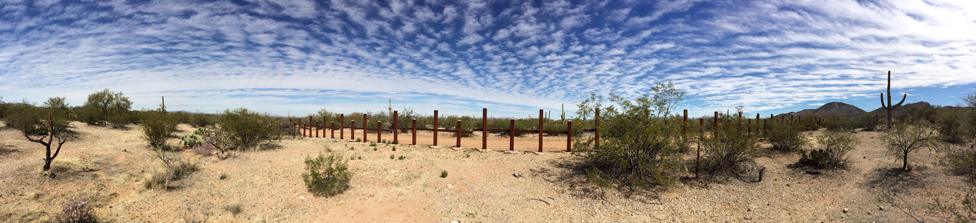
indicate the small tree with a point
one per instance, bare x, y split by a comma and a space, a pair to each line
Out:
326, 175
905, 139
46, 125
107, 106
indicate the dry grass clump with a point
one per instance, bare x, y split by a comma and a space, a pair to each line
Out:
76, 211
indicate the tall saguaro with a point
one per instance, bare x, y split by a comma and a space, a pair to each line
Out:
889, 108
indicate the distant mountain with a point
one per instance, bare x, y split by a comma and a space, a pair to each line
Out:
917, 108
829, 110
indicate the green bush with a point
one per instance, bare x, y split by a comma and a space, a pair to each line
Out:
903, 140
326, 175
728, 150
106, 107
785, 137
637, 148
951, 124
245, 129
831, 151
157, 126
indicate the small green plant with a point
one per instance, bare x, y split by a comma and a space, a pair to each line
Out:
394, 149
392, 156
831, 152
402, 157
77, 211
443, 173
192, 140
326, 175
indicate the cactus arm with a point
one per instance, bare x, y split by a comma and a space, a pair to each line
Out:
900, 102
882, 102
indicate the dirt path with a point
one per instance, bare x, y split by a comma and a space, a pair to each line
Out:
110, 166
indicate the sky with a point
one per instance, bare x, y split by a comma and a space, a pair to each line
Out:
295, 57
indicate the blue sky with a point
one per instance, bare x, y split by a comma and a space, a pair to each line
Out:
295, 57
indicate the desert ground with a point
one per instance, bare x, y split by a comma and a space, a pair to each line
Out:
109, 166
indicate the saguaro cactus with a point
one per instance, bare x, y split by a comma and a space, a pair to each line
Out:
889, 108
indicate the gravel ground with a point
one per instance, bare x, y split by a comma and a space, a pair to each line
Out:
109, 167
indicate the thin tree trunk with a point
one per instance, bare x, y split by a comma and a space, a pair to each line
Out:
904, 161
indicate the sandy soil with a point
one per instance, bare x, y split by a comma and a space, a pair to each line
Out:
109, 167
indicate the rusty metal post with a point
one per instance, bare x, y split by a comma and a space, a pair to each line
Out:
701, 136
511, 135
324, 127
366, 127
352, 130
457, 133
342, 125
569, 136
596, 128
379, 131
684, 123
540, 130
413, 131
435, 127
332, 131
311, 123
395, 128
715, 121
484, 128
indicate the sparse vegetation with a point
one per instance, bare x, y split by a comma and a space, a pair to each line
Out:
245, 129
831, 151
326, 176
443, 173
903, 140
961, 161
785, 137
950, 122
234, 209
176, 167
106, 108
48, 126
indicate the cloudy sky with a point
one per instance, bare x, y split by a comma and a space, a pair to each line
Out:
295, 57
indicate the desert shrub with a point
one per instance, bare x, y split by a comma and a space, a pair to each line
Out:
961, 161
637, 148
326, 175
245, 129
950, 123
176, 167
443, 173
76, 211
106, 107
785, 137
902, 140
831, 151
201, 120
728, 150
157, 126
48, 125
192, 140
